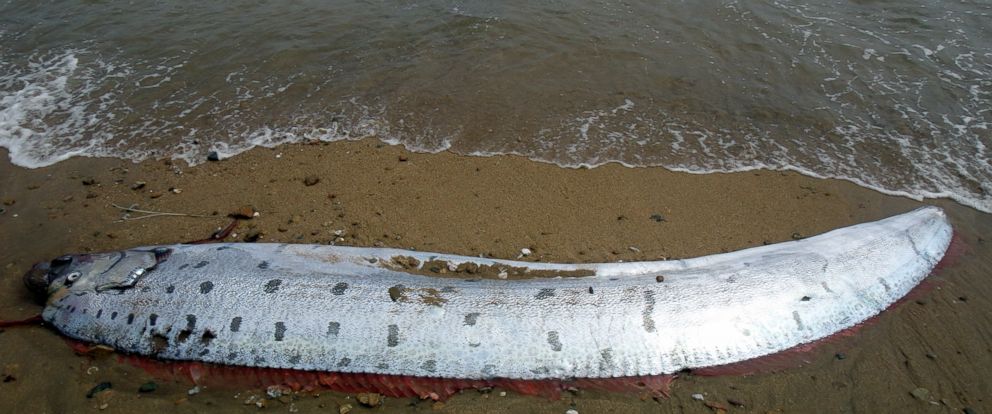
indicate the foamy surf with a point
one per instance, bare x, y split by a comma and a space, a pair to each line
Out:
899, 106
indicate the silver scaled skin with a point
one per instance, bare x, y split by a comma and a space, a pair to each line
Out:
343, 309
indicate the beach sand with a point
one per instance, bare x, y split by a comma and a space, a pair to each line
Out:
380, 195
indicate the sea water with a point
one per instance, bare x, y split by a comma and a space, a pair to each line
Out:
895, 96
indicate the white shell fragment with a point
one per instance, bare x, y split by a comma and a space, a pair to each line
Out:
344, 309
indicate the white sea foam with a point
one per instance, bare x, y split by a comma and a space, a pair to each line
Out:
919, 130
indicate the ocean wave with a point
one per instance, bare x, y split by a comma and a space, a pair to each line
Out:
901, 106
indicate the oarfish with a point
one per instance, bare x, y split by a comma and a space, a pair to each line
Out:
389, 312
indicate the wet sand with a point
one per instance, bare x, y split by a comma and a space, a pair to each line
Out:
379, 195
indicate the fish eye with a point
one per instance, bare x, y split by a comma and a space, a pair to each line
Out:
71, 277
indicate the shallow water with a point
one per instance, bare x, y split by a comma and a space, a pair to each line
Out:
890, 95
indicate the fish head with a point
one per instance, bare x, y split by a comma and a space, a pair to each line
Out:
93, 271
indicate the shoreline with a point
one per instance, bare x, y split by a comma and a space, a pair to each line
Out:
366, 193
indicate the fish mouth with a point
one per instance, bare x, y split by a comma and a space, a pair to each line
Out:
37, 280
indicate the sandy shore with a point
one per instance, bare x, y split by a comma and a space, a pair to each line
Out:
370, 194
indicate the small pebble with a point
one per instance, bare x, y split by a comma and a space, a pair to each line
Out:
311, 180
796, 236
921, 394
502, 393
148, 387
698, 397
101, 387
344, 409
634, 249
213, 156
658, 217
276, 391
253, 235
403, 158
369, 399
90, 181
659, 278
193, 391
525, 252
138, 185
244, 212
931, 356
968, 410
735, 402
840, 356
572, 411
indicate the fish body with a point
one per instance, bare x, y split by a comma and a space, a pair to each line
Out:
370, 310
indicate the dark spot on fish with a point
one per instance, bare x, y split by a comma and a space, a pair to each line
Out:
471, 280
541, 370
382, 365
605, 360
152, 319
273, 285
393, 339
545, 293
113, 315
280, 331
85, 311
99, 313
184, 335
554, 341
223, 248
263, 265
259, 360
884, 284
204, 351
184, 266
799, 321
130, 318
344, 362
207, 336
471, 318
170, 289
235, 324
396, 292
339, 288
232, 356
648, 311
488, 370
448, 289
201, 264
295, 359
146, 289
206, 287
159, 343
72, 309
429, 365
333, 328
805, 298
190, 322
474, 344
